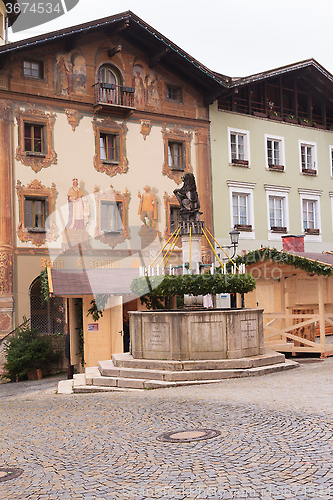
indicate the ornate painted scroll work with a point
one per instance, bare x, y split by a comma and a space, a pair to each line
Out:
47, 155
117, 132
184, 138
121, 232
6, 272
36, 191
72, 118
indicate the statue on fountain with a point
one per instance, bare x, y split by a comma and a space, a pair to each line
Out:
188, 199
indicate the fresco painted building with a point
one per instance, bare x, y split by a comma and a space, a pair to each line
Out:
272, 145
98, 123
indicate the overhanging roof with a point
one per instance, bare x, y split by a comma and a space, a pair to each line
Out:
159, 49
91, 282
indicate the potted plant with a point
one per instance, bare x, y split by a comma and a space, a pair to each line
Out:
290, 119
28, 354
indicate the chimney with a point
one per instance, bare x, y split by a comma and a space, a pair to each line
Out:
293, 243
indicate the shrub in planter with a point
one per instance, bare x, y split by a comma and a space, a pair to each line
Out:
28, 351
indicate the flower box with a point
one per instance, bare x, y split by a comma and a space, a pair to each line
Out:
311, 231
309, 171
260, 114
243, 227
318, 125
278, 229
277, 168
290, 120
276, 117
243, 163
305, 123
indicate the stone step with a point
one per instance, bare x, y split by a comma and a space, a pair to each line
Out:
126, 360
173, 379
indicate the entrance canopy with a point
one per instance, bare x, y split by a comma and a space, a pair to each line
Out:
91, 282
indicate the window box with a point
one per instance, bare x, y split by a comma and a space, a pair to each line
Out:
317, 125
305, 123
243, 163
279, 229
290, 120
243, 227
260, 114
311, 231
276, 117
278, 168
309, 171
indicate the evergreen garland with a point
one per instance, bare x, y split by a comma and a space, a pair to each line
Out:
192, 284
44, 285
280, 257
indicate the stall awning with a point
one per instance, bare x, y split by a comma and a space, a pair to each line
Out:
91, 282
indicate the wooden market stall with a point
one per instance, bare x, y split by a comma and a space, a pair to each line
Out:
296, 291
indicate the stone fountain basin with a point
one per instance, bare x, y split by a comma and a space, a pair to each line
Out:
197, 334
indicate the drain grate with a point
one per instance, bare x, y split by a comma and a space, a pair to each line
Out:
6, 474
188, 435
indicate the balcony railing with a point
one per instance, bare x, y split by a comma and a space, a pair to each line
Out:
110, 93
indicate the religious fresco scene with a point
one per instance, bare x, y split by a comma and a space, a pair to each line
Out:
69, 71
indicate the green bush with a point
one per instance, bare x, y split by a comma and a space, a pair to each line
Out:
27, 350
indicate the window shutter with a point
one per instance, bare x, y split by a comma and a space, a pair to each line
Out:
28, 213
117, 155
183, 165
46, 214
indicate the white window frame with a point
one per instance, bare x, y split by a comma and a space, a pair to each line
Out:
269, 137
331, 160
311, 195
331, 196
313, 145
246, 135
277, 192
243, 188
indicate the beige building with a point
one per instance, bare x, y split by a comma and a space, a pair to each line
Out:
98, 124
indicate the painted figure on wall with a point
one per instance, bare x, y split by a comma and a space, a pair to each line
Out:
153, 90
148, 208
78, 207
138, 83
64, 76
70, 73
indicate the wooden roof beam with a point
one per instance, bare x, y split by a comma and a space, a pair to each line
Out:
156, 58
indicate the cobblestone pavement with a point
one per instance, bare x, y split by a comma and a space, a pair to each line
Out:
275, 442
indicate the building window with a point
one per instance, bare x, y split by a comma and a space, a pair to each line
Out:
177, 149
308, 158
111, 216
274, 153
110, 147
36, 207
33, 69
174, 93
33, 138
277, 210
241, 207
175, 155
174, 218
171, 217
310, 213
35, 213
239, 147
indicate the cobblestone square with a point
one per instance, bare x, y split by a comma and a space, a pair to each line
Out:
275, 440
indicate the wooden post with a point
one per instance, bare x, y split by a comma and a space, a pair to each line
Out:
283, 300
321, 312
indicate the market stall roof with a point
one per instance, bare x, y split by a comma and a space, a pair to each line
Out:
91, 282
317, 263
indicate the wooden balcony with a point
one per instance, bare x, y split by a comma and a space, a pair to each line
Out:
114, 98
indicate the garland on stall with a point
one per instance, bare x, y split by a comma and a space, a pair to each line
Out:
192, 284
279, 257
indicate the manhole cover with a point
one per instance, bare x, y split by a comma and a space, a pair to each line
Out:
188, 435
7, 474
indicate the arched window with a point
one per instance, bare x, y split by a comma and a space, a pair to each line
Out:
46, 317
109, 84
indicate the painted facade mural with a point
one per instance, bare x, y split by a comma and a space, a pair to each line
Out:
148, 88
78, 207
70, 73
148, 208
